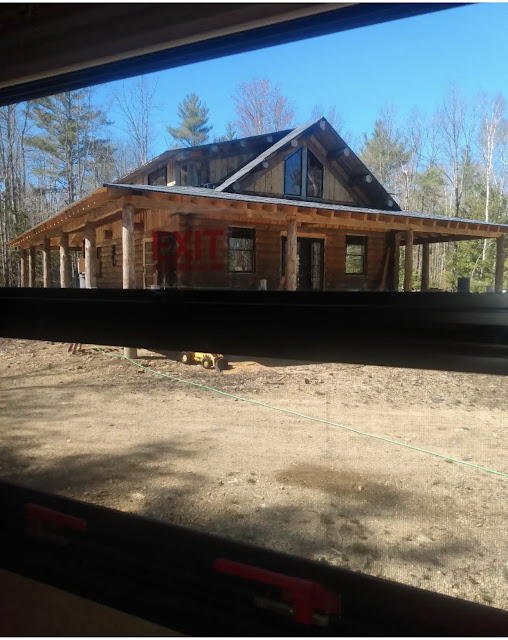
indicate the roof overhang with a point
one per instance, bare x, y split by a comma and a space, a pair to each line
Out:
106, 204
61, 47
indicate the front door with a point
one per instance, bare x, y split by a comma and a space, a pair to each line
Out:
310, 263
164, 258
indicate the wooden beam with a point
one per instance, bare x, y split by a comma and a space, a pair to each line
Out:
23, 269
425, 266
31, 266
343, 152
129, 258
263, 168
332, 165
46, 263
65, 267
396, 261
90, 256
94, 216
384, 277
500, 260
408, 262
291, 254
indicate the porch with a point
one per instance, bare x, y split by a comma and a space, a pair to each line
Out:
126, 217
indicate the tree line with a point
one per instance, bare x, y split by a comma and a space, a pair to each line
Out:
454, 161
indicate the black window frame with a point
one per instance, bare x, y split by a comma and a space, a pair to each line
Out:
309, 154
198, 167
304, 175
113, 255
356, 241
242, 231
162, 172
294, 195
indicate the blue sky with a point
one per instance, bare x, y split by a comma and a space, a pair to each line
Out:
409, 63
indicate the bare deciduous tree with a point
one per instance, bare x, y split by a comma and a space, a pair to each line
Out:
488, 139
261, 107
331, 114
135, 102
457, 129
13, 131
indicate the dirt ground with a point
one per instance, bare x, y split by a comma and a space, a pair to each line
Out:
100, 429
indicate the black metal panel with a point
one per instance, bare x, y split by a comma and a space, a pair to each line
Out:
449, 331
165, 573
359, 15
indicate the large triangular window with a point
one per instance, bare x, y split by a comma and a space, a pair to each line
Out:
314, 176
293, 174
308, 183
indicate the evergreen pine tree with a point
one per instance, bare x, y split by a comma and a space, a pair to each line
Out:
385, 152
193, 128
70, 144
230, 133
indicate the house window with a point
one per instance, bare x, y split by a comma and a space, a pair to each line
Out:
194, 173
98, 268
113, 255
241, 249
356, 255
158, 178
293, 174
314, 176
293, 178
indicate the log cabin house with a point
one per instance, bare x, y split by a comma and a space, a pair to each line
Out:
290, 210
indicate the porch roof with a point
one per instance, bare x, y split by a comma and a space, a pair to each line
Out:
311, 204
106, 204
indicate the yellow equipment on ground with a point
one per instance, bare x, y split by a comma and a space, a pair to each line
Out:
207, 360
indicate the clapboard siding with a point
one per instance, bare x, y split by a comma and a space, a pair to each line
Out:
272, 183
333, 189
220, 168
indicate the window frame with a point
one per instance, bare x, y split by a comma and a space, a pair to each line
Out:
361, 241
294, 195
113, 255
304, 151
200, 169
251, 251
320, 197
163, 171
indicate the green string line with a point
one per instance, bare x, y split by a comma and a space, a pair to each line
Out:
302, 415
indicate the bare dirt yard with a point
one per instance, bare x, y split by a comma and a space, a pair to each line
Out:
100, 429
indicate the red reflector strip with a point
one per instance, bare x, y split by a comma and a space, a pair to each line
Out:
306, 595
41, 518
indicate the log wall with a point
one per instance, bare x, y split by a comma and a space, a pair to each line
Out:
208, 272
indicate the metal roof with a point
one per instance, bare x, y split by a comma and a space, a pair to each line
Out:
311, 204
332, 141
291, 135
202, 147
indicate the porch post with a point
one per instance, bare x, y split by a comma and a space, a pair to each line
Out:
90, 256
128, 256
396, 261
23, 269
46, 263
65, 272
31, 267
500, 259
291, 255
425, 266
408, 263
